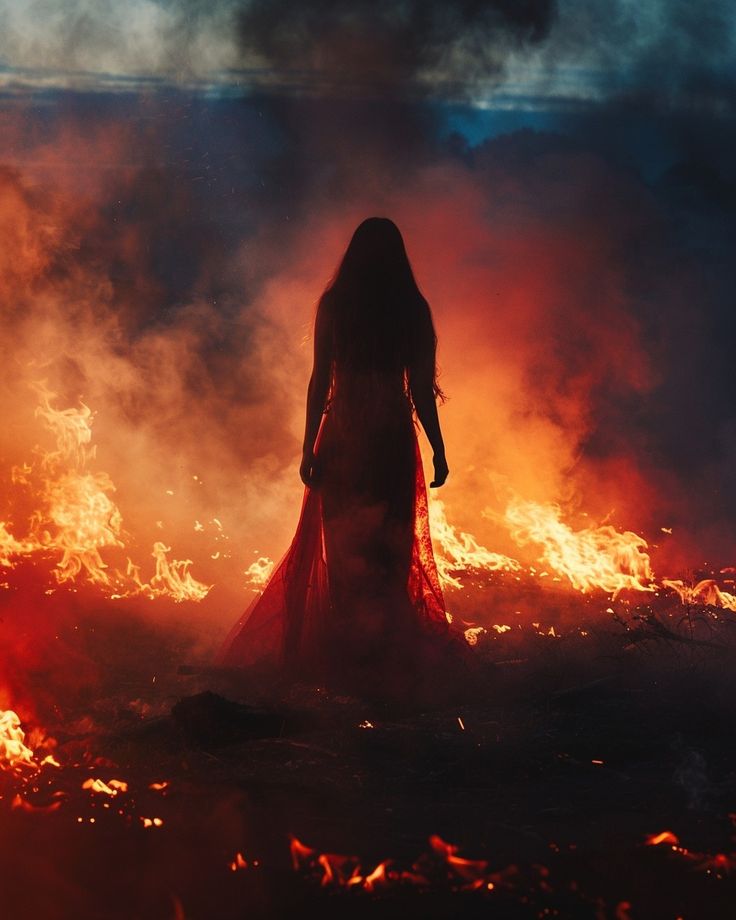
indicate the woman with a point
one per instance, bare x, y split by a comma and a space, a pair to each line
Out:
356, 603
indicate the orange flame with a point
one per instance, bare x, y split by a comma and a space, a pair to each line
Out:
259, 572
14, 754
78, 518
172, 579
76, 502
704, 592
457, 551
595, 557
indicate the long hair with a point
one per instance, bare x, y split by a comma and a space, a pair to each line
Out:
377, 317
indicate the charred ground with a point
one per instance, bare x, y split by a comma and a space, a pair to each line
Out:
549, 777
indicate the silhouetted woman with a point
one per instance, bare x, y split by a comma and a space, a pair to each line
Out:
355, 603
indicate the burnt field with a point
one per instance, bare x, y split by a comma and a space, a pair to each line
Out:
589, 772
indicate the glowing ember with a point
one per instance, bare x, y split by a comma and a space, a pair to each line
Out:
111, 788
22, 804
470, 870
457, 551
664, 837
152, 822
595, 557
332, 870
14, 755
300, 854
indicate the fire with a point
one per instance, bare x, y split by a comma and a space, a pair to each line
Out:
10, 547
457, 551
473, 634
441, 863
76, 502
172, 579
77, 518
595, 557
704, 592
259, 572
14, 754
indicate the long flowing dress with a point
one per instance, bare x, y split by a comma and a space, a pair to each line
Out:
356, 603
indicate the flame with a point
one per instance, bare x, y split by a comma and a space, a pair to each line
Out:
300, 853
473, 634
334, 870
172, 579
77, 518
76, 502
14, 754
10, 547
595, 557
259, 572
457, 551
374, 880
704, 592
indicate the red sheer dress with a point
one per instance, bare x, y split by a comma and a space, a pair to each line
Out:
355, 603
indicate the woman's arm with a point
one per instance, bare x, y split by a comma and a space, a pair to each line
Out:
319, 386
421, 386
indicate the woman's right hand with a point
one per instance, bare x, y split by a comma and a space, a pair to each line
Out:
306, 468
441, 471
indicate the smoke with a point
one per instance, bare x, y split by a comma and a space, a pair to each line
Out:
536, 55
180, 39
387, 47
662, 53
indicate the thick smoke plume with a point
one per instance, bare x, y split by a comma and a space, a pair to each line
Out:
389, 47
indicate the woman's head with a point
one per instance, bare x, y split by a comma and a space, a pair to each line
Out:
379, 319
376, 255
